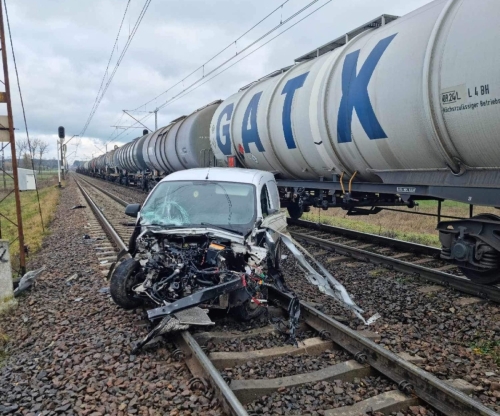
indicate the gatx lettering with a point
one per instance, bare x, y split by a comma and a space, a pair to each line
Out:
249, 130
355, 94
289, 89
225, 146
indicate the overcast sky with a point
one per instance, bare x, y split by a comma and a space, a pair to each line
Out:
63, 46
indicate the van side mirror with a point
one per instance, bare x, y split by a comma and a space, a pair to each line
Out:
132, 210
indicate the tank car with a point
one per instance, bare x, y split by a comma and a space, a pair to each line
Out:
396, 111
182, 144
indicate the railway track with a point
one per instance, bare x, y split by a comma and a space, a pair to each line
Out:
402, 384
367, 248
417, 260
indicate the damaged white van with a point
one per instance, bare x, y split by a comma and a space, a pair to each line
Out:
210, 237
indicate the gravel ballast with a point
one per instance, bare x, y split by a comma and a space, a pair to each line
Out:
69, 345
458, 336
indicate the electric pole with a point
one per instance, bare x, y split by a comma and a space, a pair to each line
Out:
7, 138
156, 117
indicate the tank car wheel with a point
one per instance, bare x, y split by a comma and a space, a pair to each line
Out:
123, 279
490, 277
295, 210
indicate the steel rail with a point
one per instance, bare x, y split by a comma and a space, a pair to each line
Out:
198, 362
135, 188
461, 284
371, 238
409, 377
112, 196
106, 225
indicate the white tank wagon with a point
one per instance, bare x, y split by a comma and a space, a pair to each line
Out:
183, 144
103, 164
415, 101
395, 111
411, 107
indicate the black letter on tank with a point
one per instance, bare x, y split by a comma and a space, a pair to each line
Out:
249, 130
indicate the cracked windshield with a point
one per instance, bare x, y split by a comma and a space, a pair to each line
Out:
188, 203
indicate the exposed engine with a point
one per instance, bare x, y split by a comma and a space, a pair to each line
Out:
174, 267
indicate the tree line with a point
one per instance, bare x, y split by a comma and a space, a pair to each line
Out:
32, 158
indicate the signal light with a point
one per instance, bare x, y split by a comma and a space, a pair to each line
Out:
231, 161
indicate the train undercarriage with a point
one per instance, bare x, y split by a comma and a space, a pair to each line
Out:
472, 244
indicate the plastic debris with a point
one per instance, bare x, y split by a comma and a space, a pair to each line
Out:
73, 277
28, 280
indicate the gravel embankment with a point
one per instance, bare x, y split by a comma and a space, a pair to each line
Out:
458, 340
69, 345
313, 399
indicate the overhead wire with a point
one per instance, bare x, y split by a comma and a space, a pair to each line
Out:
115, 46
205, 63
181, 95
118, 62
282, 22
24, 116
217, 54
190, 88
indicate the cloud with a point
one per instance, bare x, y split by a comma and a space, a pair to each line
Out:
62, 48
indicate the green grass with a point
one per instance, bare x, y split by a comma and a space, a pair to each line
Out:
32, 224
444, 204
487, 348
3, 343
6, 182
358, 225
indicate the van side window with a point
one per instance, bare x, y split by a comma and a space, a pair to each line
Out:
264, 201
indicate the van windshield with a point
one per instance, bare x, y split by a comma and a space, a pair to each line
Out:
194, 203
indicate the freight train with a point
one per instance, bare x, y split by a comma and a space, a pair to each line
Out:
395, 111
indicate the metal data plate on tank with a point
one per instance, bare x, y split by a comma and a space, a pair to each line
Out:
469, 62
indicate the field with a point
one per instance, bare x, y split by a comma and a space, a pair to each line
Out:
43, 179
33, 231
404, 226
